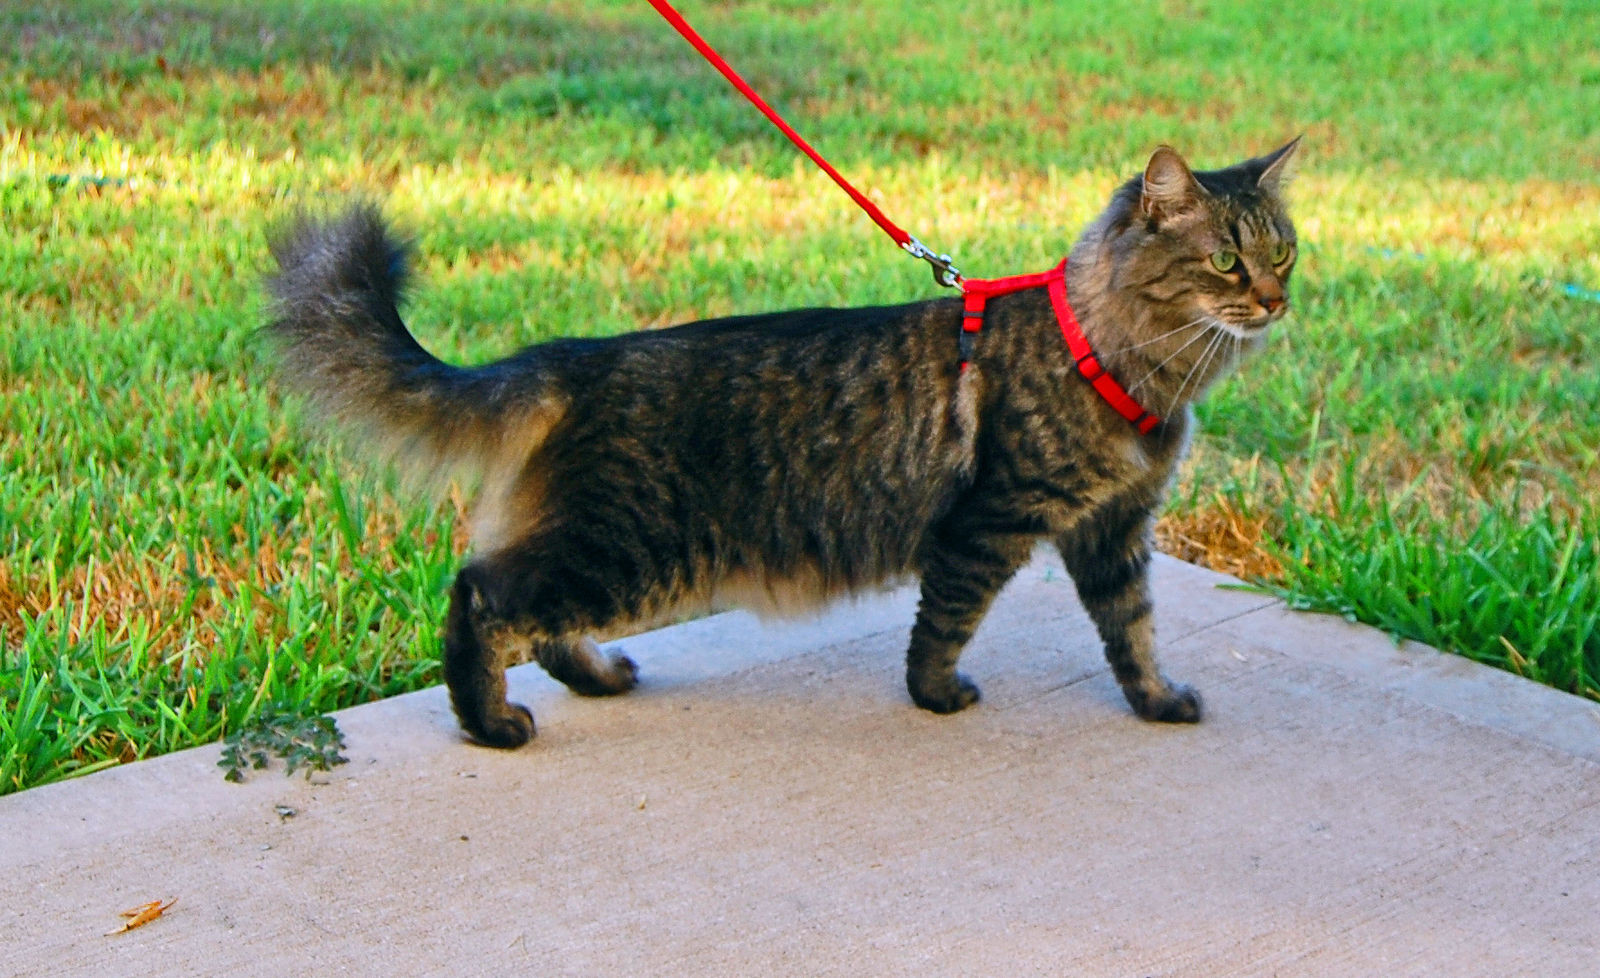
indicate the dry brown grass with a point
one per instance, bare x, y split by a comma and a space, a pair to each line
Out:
183, 598
1220, 538
11, 605
150, 593
315, 95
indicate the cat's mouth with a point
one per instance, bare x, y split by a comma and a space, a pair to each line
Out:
1249, 329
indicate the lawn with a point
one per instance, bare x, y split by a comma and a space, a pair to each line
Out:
1417, 449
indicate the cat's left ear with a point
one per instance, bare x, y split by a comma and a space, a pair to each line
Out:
1276, 169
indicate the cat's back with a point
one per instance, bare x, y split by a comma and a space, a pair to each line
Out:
771, 337
773, 369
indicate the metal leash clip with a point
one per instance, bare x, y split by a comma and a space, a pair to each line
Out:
944, 270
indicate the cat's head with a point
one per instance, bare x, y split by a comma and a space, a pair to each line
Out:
1212, 243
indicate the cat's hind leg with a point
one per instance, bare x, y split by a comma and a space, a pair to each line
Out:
584, 668
506, 605
961, 574
476, 647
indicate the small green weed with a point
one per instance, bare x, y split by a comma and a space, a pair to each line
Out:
309, 742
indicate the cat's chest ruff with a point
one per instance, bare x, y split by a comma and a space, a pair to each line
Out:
1141, 465
978, 292
1152, 461
1134, 455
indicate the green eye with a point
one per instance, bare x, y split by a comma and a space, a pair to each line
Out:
1223, 261
1281, 252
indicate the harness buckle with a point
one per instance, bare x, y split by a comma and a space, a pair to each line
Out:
945, 272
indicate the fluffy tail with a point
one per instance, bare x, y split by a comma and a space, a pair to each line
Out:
336, 316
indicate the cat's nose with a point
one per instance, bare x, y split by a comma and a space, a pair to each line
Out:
1272, 303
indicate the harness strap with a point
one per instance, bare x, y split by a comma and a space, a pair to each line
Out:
978, 292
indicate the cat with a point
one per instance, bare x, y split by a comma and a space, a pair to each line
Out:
776, 461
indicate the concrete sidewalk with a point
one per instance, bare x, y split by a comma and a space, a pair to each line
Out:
769, 803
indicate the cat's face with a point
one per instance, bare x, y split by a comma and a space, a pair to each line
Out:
1221, 240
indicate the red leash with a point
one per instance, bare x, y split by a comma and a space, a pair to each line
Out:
977, 291
944, 272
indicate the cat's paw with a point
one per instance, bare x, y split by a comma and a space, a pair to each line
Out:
1174, 704
619, 675
954, 696
587, 669
624, 675
513, 728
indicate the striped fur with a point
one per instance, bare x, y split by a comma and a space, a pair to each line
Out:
777, 461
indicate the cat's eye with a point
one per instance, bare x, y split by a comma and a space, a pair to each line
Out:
1224, 261
1281, 252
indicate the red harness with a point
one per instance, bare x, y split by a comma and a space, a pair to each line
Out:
980, 291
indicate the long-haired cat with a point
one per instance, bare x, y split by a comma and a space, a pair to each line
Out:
775, 461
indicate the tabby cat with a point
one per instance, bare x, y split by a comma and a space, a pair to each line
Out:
776, 461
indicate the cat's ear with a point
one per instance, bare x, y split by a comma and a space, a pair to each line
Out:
1170, 188
1276, 168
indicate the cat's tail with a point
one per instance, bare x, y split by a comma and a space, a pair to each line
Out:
335, 315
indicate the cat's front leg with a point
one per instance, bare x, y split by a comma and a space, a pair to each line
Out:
1109, 559
961, 574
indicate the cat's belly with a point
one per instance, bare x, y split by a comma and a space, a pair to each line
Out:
789, 595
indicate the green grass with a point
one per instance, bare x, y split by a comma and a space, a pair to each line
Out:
1417, 449
1513, 590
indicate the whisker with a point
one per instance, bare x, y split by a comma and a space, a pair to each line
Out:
1158, 339
1168, 360
1221, 352
1198, 364
1217, 343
